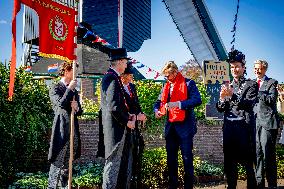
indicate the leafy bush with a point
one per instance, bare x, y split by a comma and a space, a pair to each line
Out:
154, 168
200, 110
148, 92
24, 122
90, 108
88, 175
30, 180
83, 176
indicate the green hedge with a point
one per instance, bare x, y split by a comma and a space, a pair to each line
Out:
24, 123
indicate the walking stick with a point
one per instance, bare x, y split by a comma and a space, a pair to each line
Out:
71, 135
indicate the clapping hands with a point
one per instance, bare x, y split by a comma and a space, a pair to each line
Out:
226, 91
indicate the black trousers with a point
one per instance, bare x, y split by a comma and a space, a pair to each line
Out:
173, 143
239, 147
266, 157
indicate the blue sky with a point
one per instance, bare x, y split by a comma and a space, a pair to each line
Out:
259, 34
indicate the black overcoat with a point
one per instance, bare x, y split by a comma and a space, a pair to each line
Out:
114, 111
61, 98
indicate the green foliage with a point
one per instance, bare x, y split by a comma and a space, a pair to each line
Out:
24, 122
200, 110
27, 180
88, 175
83, 176
280, 161
90, 108
207, 169
148, 92
154, 168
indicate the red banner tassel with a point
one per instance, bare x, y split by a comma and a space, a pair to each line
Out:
17, 7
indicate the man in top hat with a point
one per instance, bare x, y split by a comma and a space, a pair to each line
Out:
237, 101
115, 118
135, 142
267, 125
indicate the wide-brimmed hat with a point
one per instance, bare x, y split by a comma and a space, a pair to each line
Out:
236, 56
128, 69
118, 54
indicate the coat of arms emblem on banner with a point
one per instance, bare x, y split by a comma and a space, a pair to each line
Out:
58, 29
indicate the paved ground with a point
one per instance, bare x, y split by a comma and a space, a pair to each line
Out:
241, 185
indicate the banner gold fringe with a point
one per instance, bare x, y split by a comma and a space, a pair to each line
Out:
55, 56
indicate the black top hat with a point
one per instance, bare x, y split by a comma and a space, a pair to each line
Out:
236, 56
118, 54
129, 68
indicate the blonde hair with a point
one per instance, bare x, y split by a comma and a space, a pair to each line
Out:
262, 62
170, 67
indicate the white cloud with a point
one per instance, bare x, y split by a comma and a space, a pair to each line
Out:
3, 22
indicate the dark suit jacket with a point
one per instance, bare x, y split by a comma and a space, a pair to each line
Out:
188, 126
242, 102
266, 106
114, 111
61, 98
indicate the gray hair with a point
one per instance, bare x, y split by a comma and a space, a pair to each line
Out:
113, 63
262, 62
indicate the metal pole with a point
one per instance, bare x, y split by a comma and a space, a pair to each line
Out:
71, 156
120, 23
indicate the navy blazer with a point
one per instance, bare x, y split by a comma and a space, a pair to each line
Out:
188, 126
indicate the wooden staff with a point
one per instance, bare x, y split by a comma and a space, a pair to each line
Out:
71, 156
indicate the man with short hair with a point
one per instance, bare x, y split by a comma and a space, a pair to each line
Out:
237, 100
115, 118
177, 101
64, 98
267, 125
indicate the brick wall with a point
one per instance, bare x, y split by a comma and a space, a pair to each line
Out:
207, 142
88, 89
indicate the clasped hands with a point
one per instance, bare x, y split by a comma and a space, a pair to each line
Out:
226, 91
132, 118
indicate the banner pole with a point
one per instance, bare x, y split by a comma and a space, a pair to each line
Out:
71, 156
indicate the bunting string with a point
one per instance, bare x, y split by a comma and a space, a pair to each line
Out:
90, 35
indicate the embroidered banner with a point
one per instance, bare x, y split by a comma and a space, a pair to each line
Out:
56, 32
56, 29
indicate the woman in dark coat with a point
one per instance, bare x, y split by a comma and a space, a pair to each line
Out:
64, 97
